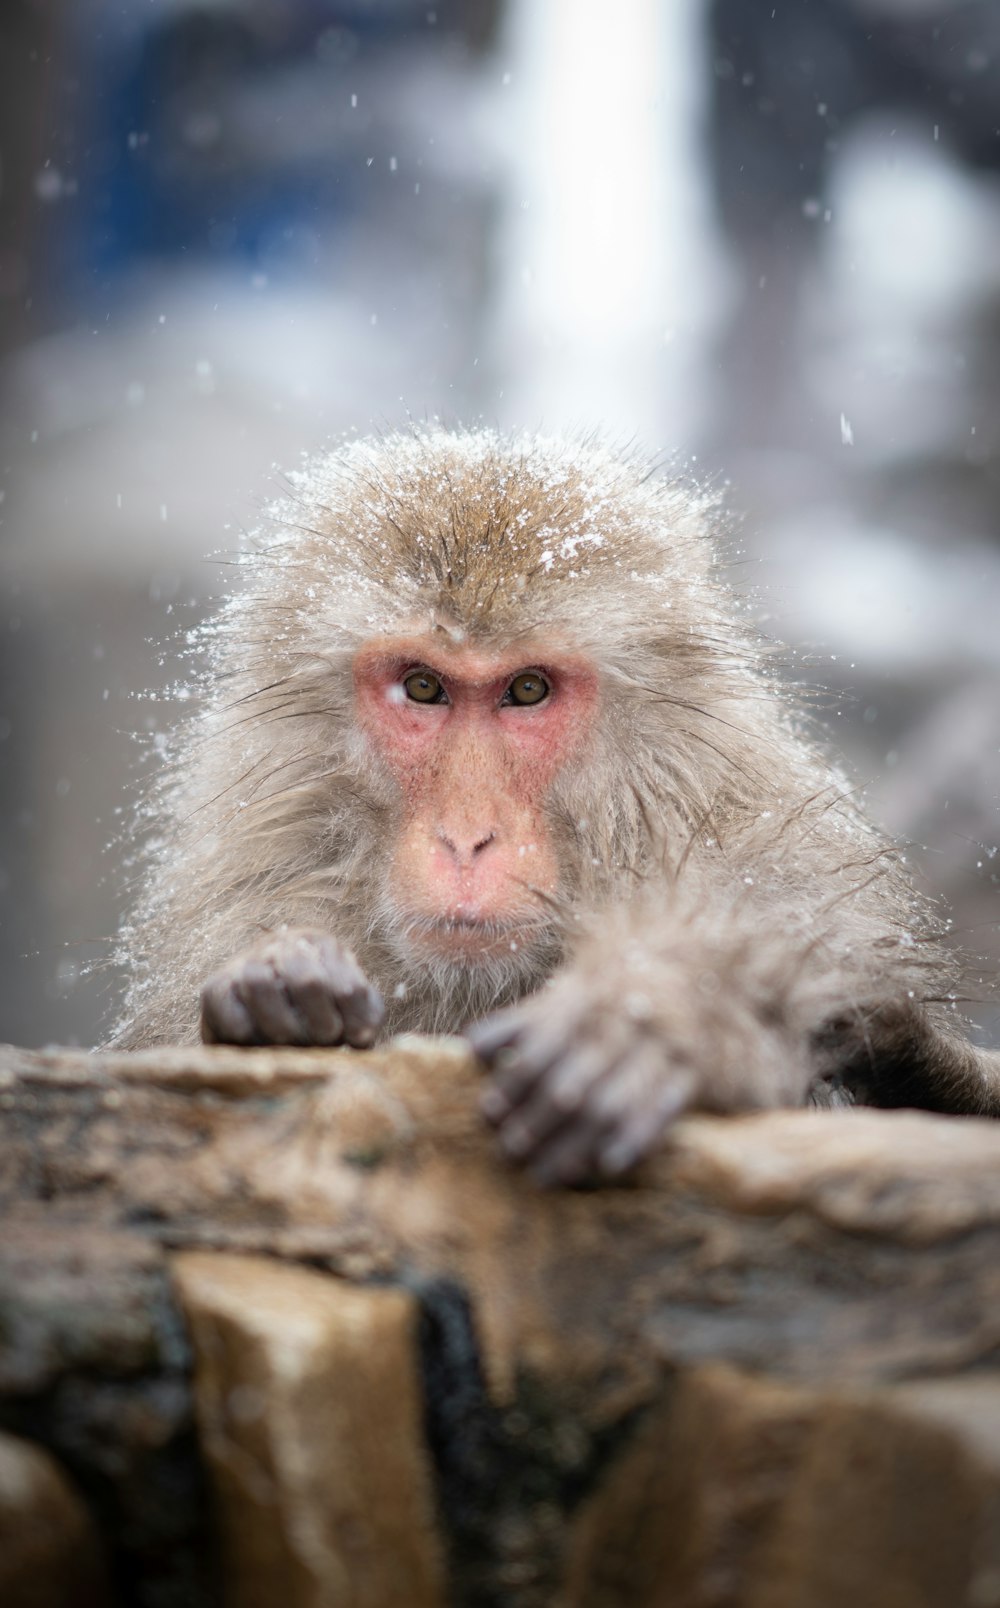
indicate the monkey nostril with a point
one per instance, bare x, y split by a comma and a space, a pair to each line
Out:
466, 849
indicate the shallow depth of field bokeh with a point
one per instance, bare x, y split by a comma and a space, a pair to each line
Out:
762, 239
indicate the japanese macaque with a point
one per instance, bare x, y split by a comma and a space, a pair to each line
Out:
485, 746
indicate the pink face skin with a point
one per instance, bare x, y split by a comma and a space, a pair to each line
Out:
474, 772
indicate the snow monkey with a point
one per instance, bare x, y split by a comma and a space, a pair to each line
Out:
485, 746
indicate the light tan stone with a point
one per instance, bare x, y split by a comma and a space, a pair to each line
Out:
310, 1416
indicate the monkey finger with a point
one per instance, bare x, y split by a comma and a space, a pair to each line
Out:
568, 1157
320, 1022
574, 1151
569, 1084
262, 991
633, 1086
494, 1033
360, 1004
515, 1076
569, 1153
363, 1013
519, 1064
320, 1019
638, 1133
224, 1017
554, 1101
536, 1028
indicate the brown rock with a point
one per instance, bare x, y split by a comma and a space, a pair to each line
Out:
49, 1554
742, 1493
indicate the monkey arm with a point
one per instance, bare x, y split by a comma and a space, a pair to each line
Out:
705, 999
669, 1003
898, 1055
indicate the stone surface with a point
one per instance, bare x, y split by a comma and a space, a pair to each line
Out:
49, 1552
745, 1491
309, 1409
764, 1371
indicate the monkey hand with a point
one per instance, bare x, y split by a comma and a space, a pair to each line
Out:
587, 1075
296, 986
579, 1090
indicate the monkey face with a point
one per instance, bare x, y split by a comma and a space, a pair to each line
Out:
473, 739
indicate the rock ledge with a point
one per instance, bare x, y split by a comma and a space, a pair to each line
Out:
279, 1327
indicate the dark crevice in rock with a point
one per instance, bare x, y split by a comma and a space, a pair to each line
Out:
131, 1449
507, 1476
126, 1436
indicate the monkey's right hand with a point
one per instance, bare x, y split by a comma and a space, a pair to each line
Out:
296, 986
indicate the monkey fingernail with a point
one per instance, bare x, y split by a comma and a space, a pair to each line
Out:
619, 1158
494, 1105
491, 1038
517, 1140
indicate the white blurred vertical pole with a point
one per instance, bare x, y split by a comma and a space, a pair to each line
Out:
599, 267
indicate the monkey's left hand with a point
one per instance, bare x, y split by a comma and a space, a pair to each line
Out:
579, 1090
589, 1073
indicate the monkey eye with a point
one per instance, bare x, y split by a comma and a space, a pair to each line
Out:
423, 687
527, 688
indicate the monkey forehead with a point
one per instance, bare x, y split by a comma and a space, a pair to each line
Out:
493, 533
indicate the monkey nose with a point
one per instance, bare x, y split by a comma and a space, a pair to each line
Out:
465, 847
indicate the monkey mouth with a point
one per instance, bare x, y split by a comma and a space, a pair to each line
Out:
472, 934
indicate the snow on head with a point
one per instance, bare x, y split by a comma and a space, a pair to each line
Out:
475, 533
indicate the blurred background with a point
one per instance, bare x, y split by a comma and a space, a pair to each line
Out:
761, 237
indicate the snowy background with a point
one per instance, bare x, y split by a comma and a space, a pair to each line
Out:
760, 238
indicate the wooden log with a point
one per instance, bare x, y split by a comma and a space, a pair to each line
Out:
292, 1329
